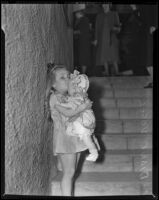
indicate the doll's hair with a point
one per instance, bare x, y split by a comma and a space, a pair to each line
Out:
52, 68
80, 81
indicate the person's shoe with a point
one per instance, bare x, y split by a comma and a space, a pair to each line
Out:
92, 156
150, 85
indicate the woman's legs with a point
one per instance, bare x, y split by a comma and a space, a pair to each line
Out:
84, 69
106, 68
116, 70
68, 162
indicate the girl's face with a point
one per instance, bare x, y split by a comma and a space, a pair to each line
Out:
61, 81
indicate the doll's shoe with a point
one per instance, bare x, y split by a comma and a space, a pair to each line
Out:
92, 157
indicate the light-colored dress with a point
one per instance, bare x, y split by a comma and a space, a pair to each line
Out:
63, 143
108, 44
84, 123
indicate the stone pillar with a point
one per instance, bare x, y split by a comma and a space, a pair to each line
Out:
34, 35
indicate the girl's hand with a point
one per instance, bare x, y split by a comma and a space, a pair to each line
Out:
87, 105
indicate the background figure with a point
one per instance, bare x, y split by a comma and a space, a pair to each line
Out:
149, 16
133, 42
106, 29
82, 29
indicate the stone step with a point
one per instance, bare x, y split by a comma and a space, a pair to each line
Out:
121, 161
109, 113
123, 113
118, 161
125, 141
130, 85
125, 126
134, 102
98, 93
123, 85
122, 103
107, 184
133, 93
121, 82
139, 126
135, 113
105, 103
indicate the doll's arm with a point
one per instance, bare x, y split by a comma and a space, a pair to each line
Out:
70, 112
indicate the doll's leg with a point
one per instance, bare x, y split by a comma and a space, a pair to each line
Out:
91, 147
68, 162
88, 119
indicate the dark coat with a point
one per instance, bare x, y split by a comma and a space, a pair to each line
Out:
84, 41
132, 39
149, 16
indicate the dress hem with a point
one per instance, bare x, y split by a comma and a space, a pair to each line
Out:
55, 154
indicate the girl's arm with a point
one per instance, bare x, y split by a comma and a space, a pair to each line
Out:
70, 112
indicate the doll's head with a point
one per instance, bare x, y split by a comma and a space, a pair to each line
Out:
78, 83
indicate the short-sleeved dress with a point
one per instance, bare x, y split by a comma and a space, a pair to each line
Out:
63, 143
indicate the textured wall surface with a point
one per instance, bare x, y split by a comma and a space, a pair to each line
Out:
34, 35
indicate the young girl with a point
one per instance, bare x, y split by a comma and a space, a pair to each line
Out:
81, 125
64, 146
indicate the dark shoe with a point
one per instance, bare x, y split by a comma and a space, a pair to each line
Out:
150, 85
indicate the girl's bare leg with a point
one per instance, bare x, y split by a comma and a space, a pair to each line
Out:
75, 177
68, 163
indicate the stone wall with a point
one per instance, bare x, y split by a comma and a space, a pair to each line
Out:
34, 35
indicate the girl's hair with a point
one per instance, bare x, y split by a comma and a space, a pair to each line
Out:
51, 76
50, 79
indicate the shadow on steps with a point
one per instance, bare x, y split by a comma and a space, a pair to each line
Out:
95, 92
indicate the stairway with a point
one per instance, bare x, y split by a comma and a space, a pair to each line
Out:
123, 110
